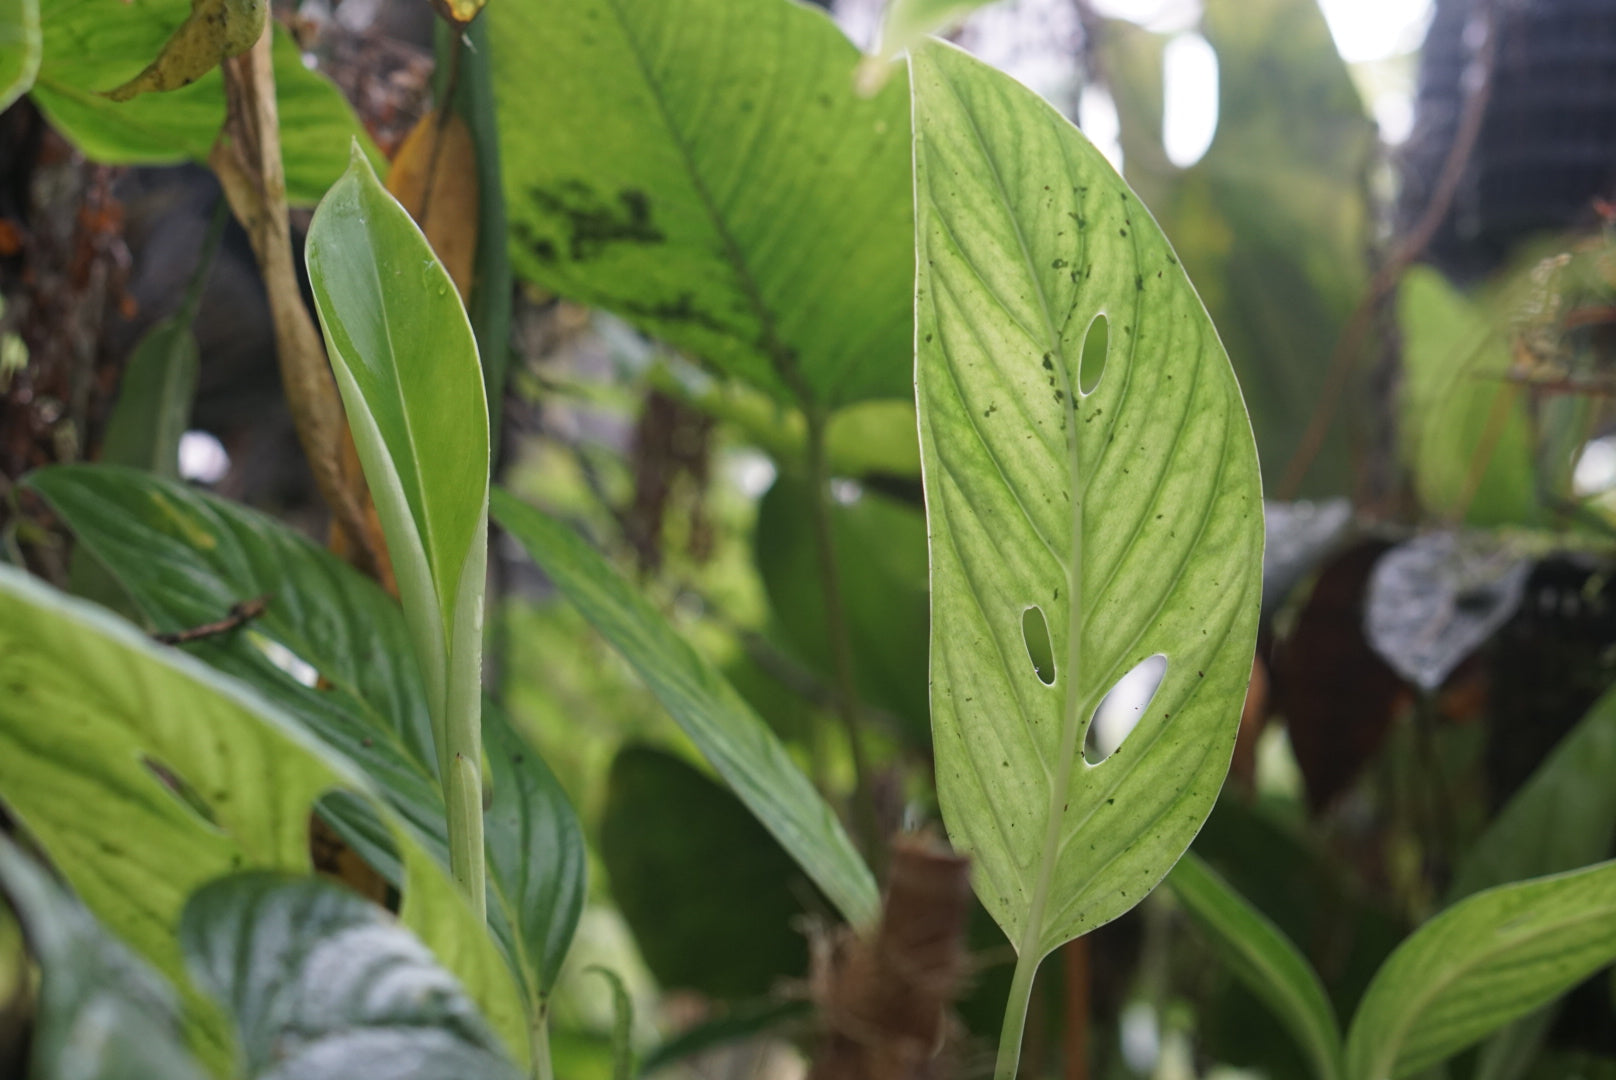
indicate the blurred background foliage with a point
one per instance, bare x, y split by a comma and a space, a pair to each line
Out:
1396, 213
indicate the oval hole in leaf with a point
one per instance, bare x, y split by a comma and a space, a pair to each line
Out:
1096, 343
1120, 710
1035, 635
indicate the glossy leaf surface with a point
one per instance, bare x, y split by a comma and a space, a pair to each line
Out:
705, 169
406, 364
1264, 959
94, 45
102, 1013
1129, 518
724, 728
1480, 964
185, 556
145, 774
324, 985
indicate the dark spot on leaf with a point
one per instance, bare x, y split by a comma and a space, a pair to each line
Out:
1058, 264
593, 223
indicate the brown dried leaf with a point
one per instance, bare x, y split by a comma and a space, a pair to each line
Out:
434, 177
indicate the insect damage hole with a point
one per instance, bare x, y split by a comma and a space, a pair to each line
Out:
1035, 636
1121, 709
1096, 344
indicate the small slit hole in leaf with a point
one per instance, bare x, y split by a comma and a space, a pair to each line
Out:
181, 791
1096, 343
1035, 635
1122, 707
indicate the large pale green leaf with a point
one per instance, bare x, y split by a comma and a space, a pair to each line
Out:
102, 1013
144, 774
91, 46
323, 985
1467, 436
20, 48
1127, 518
1272, 223
1264, 959
1480, 964
705, 169
724, 728
406, 362
185, 557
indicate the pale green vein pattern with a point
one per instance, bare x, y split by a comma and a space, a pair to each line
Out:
705, 169
1132, 516
1480, 964
87, 699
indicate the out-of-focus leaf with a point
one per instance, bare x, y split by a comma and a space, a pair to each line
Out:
20, 48
1298, 536
622, 1025
489, 305
154, 401
744, 1021
727, 732
1563, 818
1272, 222
1265, 960
185, 556
93, 45
690, 866
881, 547
214, 31
434, 177
323, 985
145, 774
406, 362
1121, 510
1480, 964
1434, 600
1336, 693
1467, 436
103, 1014
705, 169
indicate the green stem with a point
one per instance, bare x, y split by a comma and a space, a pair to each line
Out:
543, 1069
1015, 1016
866, 821
466, 861
461, 752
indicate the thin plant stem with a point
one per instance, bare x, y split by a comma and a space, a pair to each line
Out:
543, 1068
1015, 1016
465, 804
866, 821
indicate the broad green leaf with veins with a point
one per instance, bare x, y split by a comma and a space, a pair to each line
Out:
1129, 516
131, 726
20, 48
705, 169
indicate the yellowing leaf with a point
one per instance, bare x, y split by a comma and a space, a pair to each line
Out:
434, 177
460, 12
215, 30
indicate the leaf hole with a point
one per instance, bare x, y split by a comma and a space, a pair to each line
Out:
1096, 344
1035, 636
1121, 709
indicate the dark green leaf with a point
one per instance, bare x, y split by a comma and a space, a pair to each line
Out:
323, 985
705, 169
102, 1013
881, 548
727, 732
1265, 960
689, 867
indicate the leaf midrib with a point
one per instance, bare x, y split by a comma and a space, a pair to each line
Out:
776, 351
1032, 931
